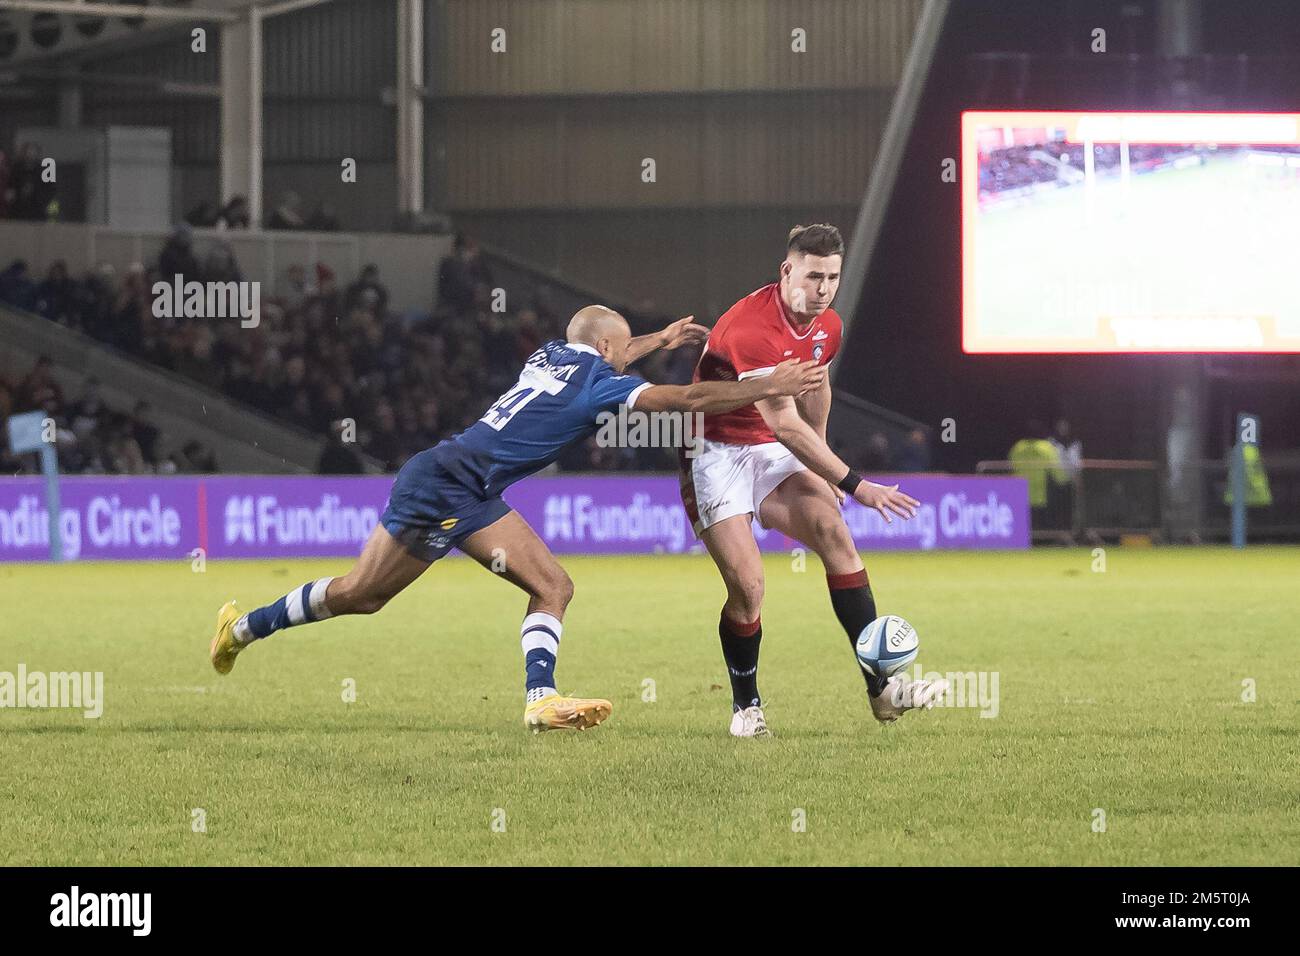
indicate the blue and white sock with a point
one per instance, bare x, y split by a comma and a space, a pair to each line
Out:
300, 606
540, 638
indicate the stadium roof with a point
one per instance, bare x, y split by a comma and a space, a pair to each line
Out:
33, 31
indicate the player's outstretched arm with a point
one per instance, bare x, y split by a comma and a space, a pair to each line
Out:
674, 335
787, 380
782, 416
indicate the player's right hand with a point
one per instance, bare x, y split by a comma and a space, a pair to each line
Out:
793, 377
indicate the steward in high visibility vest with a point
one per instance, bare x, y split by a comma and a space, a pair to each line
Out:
1034, 459
1258, 493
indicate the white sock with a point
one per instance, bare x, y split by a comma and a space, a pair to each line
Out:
537, 693
540, 639
316, 598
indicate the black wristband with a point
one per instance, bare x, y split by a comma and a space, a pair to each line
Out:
849, 483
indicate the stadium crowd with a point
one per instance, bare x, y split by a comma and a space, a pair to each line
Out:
93, 438
1016, 167
329, 357
288, 213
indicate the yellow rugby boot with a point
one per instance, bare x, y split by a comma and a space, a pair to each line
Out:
224, 647
556, 712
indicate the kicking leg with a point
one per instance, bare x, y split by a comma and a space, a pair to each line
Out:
510, 548
804, 507
384, 569
733, 549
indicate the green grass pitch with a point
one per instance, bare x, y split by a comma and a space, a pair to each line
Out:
1119, 691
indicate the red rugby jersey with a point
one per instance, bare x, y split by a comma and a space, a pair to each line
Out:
752, 338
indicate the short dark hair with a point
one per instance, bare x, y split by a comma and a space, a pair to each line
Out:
819, 239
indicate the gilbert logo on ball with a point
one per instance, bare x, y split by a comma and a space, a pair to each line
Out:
887, 645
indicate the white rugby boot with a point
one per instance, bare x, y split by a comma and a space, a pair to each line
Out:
900, 696
749, 722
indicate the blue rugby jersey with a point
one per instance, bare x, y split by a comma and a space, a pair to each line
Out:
561, 391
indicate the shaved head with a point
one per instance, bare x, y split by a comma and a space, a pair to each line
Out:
604, 330
593, 322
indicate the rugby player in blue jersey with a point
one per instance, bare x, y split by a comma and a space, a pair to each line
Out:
450, 496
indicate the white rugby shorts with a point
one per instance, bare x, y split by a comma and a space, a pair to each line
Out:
723, 481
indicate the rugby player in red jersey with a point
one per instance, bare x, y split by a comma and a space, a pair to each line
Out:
770, 460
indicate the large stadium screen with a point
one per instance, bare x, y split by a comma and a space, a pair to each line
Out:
1130, 232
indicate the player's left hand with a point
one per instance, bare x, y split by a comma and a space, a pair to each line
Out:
886, 498
683, 332
839, 493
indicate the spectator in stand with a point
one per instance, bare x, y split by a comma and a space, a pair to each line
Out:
293, 381
528, 336
56, 297
193, 355
17, 288
85, 413
131, 303
915, 453
39, 389
330, 406
288, 214
323, 219
122, 452
30, 194
339, 457
292, 288
428, 423
145, 433
219, 265
8, 394
196, 459
327, 298
876, 459
367, 292
203, 216
95, 300
234, 214
177, 257
384, 441
299, 410
461, 273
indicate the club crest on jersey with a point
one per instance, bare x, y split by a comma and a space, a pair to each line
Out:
818, 350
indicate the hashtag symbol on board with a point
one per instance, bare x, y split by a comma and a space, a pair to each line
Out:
239, 519
559, 522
